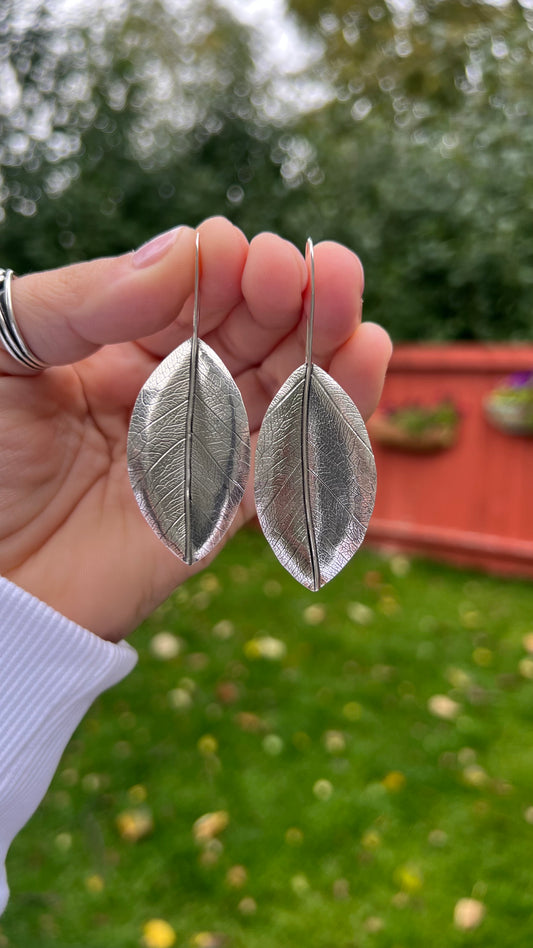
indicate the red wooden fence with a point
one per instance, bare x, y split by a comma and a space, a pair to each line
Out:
471, 504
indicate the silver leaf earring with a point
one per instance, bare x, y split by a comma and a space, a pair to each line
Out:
189, 446
315, 476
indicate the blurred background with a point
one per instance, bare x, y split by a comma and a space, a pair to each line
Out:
349, 768
402, 129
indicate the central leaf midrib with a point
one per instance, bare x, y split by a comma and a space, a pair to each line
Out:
189, 424
304, 451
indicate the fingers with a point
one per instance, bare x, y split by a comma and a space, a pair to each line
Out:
355, 354
338, 291
339, 284
223, 253
359, 366
251, 299
273, 281
65, 315
254, 304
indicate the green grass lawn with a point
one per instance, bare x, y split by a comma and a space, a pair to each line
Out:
354, 807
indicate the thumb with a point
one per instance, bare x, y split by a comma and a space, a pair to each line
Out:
65, 315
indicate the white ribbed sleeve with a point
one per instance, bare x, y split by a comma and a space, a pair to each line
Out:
51, 670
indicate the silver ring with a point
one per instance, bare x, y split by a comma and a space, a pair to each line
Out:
10, 335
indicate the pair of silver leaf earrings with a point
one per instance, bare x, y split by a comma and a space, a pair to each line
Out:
189, 458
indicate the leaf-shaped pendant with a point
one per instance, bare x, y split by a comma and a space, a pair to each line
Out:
189, 447
315, 475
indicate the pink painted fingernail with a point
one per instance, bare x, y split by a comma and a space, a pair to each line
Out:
154, 249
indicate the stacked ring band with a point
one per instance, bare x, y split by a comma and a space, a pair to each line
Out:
10, 335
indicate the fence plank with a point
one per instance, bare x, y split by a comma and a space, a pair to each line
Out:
471, 503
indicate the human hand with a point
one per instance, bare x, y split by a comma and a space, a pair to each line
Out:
70, 529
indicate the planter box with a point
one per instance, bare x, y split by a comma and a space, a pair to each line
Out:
472, 502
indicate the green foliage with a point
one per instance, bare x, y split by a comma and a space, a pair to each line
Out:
418, 419
149, 123
443, 234
413, 64
117, 128
424, 162
361, 804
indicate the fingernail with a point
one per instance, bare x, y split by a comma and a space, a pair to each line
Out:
154, 249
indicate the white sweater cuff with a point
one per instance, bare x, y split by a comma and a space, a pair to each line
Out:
51, 670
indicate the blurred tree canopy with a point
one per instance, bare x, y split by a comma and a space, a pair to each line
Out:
121, 123
424, 151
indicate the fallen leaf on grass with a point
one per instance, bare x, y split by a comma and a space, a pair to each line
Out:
409, 878
236, 877
394, 781
334, 742
323, 789
444, 707
247, 906
265, 646
249, 722
314, 614
468, 914
94, 884
210, 825
360, 613
158, 934
165, 646
135, 824
209, 940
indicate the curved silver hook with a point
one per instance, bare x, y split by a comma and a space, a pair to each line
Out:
310, 252
196, 310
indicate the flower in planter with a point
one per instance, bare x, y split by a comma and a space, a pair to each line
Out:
510, 405
415, 427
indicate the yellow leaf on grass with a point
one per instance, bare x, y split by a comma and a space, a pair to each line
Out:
158, 934
210, 825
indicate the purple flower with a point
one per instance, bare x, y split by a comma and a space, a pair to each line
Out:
520, 379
